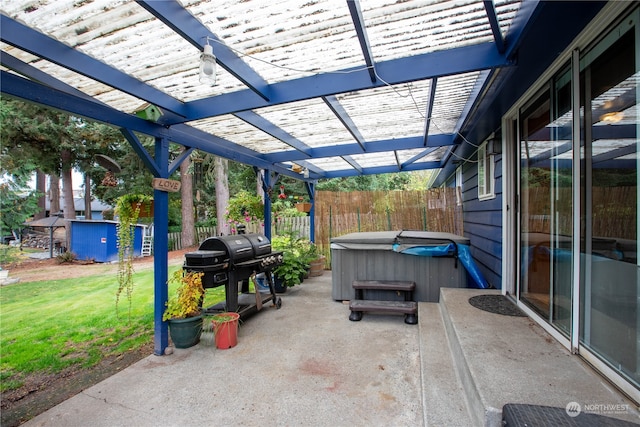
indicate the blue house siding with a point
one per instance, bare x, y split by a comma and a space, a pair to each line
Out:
483, 222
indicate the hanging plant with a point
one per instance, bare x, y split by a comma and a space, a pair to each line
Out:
128, 210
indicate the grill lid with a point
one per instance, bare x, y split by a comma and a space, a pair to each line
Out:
238, 247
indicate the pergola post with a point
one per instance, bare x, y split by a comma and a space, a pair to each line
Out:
311, 190
266, 186
161, 249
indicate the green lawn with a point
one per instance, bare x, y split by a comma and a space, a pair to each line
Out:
50, 325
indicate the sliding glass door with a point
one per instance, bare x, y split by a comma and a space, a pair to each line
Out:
578, 222
609, 285
546, 202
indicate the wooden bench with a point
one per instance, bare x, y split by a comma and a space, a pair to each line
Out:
408, 307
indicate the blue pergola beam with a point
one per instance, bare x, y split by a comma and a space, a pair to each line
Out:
267, 127
27, 70
175, 164
319, 173
406, 143
176, 17
417, 67
353, 163
490, 8
43, 46
472, 101
381, 169
195, 138
150, 163
22, 88
526, 12
432, 98
361, 31
418, 156
27, 90
339, 111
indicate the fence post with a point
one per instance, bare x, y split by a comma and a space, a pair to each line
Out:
330, 221
424, 218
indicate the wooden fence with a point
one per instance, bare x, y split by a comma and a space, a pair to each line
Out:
613, 211
300, 225
338, 213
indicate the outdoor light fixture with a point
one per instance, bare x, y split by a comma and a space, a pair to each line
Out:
208, 65
612, 117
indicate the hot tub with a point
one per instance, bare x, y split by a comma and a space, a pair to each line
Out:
432, 260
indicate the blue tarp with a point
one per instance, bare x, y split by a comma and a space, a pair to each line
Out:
463, 253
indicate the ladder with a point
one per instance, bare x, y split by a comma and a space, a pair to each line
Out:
147, 244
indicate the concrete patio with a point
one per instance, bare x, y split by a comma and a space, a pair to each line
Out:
308, 365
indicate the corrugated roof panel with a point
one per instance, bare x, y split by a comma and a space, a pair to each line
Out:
388, 112
238, 131
117, 99
398, 29
452, 94
368, 160
285, 39
434, 156
330, 163
311, 121
281, 40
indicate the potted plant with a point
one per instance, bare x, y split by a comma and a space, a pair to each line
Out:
225, 329
184, 309
303, 205
295, 262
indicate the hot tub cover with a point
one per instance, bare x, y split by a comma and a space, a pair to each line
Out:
384, 240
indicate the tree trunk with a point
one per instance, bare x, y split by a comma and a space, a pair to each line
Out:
87, 197
222, 194
186, 195
259, 189
41, 188
69, 208
54, 195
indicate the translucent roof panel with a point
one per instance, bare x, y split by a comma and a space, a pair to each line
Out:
293, 83
388, 112
311, 122
397, 29
238, 131
452, 95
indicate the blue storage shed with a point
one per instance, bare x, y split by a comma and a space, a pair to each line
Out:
98, 240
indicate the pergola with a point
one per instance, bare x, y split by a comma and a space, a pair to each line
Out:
314, 89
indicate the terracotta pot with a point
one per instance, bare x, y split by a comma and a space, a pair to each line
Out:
226, 330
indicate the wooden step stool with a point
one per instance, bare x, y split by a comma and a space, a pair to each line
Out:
359, 305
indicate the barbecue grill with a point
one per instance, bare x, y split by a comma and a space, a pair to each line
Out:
230, 261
